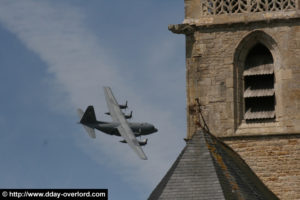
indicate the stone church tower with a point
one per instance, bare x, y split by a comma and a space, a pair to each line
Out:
243, 64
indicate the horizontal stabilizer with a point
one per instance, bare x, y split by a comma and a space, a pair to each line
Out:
89, 130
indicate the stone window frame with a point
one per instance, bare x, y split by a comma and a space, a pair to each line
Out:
241, 52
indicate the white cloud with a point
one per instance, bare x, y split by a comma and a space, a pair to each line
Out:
79, 67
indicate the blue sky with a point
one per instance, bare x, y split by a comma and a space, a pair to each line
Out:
55, 56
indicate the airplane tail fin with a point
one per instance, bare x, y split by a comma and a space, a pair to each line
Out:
87, 117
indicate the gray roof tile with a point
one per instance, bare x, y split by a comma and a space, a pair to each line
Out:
209, 169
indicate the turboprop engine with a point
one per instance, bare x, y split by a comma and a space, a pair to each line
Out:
126, 116
142, 143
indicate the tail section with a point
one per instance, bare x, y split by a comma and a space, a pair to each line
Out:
88, 117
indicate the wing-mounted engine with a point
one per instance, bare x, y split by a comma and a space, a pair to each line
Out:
123, 106
141, 143
126, 116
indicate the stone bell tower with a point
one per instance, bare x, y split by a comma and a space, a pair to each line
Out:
243, 64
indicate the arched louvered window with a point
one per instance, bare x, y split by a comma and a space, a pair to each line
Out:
259, 93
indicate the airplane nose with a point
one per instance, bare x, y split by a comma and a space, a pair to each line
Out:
155, 129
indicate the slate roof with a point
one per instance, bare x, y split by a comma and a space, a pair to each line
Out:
208, 169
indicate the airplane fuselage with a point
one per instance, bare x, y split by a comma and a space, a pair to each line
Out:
111, 128
119, 125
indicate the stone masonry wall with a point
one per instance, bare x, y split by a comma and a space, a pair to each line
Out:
217, 41
211, 77
275, 159
272, 149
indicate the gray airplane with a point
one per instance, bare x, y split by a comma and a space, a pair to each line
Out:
119, 126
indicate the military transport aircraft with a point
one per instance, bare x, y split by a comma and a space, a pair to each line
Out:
119, 125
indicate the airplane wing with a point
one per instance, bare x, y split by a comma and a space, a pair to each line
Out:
123, 128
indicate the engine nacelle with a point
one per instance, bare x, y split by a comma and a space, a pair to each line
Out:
126, 116
141, 143
124, 106
144, 142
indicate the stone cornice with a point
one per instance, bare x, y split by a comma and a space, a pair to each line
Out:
238, 21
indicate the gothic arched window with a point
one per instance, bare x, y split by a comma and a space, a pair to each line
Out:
259, 93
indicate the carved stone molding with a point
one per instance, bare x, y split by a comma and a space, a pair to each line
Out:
219, 7
182, 28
